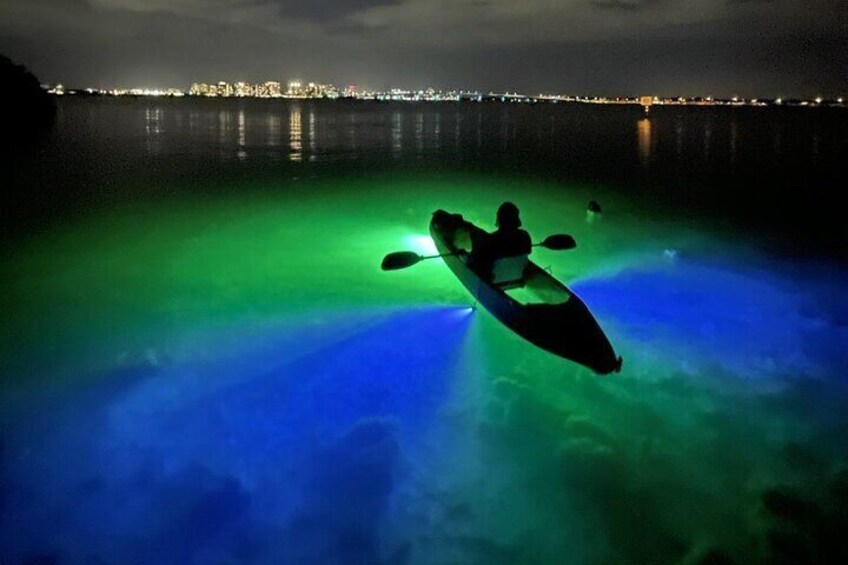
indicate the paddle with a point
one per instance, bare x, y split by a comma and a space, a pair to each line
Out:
558, 242
403, 259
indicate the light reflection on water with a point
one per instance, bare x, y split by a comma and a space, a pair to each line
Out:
721, 154
352, 138
224, 121
242, 136
419, 134
644, 127
153, 130
591, 137
313, 144
295, 144
437, 132
275, 129
344, 407
397, 134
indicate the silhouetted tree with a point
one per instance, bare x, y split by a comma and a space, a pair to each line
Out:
26, 109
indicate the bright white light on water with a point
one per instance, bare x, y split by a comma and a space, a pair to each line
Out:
422, 244
461, 312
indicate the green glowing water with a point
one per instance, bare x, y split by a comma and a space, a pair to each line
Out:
530, 459
140, 279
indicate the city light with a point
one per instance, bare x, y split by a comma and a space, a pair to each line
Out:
298, 89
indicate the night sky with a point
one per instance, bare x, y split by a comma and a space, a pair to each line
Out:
606, 47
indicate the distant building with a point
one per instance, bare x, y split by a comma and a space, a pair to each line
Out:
243, 89
295, 89
273, 89
225, 89
202, 89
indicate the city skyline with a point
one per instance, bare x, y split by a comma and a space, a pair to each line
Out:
297, 89
721, 48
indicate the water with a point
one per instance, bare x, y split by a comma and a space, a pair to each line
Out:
765, 169
201, 361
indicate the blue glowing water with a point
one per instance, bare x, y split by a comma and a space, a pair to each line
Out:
385, 421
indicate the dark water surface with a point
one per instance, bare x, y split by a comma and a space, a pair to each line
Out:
201, 361
772, 168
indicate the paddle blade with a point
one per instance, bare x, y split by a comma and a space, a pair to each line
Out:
399, 260
559, 242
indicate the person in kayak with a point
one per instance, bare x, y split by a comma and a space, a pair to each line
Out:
507, 241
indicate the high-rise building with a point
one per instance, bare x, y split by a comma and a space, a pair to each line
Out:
225, 89
242, 89
273, 89
295, 89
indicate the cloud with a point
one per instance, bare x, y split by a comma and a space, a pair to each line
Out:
621, 4
186, 7
318, 10
451, 22
447, 23
598, 46
326, 11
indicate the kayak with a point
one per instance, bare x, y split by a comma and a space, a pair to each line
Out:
549, 314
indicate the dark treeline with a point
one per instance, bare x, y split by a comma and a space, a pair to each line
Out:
26, 109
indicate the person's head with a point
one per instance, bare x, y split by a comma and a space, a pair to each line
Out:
508, 216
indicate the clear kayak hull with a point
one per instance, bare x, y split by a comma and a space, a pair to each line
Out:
554, 319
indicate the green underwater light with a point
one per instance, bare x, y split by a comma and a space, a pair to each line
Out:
421, 244
162, 279
255, 336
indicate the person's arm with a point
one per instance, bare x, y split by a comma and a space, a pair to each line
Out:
479, 237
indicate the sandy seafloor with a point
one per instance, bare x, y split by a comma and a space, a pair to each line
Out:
233, 379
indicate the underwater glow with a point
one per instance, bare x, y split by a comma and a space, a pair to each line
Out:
234, 391
422, 244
